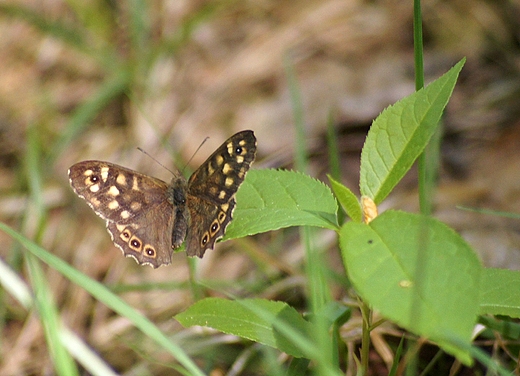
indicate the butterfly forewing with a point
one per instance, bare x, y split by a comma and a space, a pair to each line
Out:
212, 188
219, 177
115, 192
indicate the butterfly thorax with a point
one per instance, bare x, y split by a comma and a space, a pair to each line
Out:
177, 192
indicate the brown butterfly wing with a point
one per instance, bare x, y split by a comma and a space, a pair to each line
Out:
138, 209
211, 191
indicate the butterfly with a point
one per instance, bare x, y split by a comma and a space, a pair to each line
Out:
148, 218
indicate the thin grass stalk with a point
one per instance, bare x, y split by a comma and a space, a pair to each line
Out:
47, 310
314, 266
334, 159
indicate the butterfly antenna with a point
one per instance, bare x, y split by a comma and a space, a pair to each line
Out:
159, 163
202, 143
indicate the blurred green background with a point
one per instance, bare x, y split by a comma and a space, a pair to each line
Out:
94, 80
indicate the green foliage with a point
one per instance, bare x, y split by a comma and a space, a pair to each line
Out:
418, 273
270, 199
499, 292
400, 133
258, 320
347, 199
413, 269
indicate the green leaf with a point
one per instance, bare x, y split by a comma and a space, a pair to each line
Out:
273, 199
500, 292
418, 273
401, 133
347, 199
258, 320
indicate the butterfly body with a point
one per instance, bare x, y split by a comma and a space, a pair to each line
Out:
147, 218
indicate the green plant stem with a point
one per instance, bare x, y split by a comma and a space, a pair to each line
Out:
418, 45
426, 168
365, 339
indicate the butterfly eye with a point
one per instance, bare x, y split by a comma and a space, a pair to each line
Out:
204, 239
94, 178
238, 150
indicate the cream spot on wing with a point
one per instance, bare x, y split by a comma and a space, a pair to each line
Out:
88, 172
230, 148
229, 182
94, 188
222, 195
120, 228
226, 168
205, 239
104, 173
219, 159
242, 142
125, 235
240, 159
221, 216
113, 205
211, 170
125, 214
224, 207
135, 243
121, 179
241, 173
150, 251
214, 227
94, 201
113, 191
135, 206
135, 185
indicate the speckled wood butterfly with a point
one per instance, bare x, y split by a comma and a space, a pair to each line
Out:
148, 218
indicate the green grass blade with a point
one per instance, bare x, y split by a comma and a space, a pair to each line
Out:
38, 20
333, 149
49, 317
401, 133
300, 151
105, 296
17, 287
43, 299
